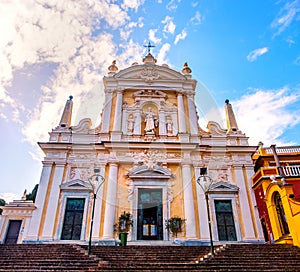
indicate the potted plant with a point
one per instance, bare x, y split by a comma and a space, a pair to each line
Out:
123, 226
175, 225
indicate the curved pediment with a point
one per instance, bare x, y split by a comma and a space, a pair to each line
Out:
144, 171
149, 73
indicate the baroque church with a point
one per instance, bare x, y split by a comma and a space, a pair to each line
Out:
146, 158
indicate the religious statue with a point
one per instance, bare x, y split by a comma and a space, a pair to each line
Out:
169, 125
130, 124
150, 121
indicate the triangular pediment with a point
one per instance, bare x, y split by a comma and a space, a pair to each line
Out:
144, 171
224, 187
76, 184
149, 72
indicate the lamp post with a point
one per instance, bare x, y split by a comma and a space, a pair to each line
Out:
95, 181
205, 183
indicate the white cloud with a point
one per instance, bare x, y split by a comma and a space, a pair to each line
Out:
127, 30
152, 38
286, 16
169, 26
264, 115
9, 197
161, 58
61, 32
172, 5
253, 55
133, 4
297, 61
197, 19
180, 36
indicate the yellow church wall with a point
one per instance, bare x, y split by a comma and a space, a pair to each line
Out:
172, 98
177, 206
128, 97
122, 190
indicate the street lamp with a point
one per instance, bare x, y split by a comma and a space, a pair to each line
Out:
95, 181
205, 183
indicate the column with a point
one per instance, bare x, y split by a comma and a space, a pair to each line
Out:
203, 217
105, 120
118, 111
33, 230
53, 198
181, 114
189, 209
98, 208
110, 204
192, 115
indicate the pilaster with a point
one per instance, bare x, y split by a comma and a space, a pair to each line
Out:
106, 112
51, 210
33, 230
181, 114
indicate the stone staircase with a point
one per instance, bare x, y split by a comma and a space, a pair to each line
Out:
235, 257
66, 257
45, 257
253, 257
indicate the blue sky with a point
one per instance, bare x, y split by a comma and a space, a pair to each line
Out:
244, 51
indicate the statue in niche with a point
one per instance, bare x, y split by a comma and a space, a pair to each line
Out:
151, 122
130, 124
169, 125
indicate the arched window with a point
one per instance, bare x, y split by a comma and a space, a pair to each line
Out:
284, 228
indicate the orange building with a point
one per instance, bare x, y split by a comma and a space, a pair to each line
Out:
276, 184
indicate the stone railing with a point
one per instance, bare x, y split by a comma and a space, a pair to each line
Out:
291, 170
283, 149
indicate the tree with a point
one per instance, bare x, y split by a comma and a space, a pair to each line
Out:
2, 203
32, 195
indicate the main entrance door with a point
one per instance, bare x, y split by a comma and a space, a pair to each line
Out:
150, 214
73, 219
225, 222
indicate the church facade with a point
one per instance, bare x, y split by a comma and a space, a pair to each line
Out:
145, 158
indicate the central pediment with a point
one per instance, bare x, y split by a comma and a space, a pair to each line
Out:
143, 171
149, 72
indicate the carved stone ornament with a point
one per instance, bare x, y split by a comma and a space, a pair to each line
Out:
84, 125
149, 74
149, 158
80, 173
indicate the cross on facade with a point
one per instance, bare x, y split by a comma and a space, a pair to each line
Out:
149, 46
